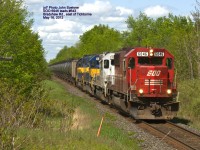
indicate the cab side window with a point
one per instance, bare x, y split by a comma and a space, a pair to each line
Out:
131, 63
169, 63
106, 63
112, 62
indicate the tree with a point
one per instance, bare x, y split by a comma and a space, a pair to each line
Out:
196, 35
21, 94
19, 41
139, 30
100, 39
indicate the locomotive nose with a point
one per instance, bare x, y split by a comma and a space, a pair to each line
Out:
153, 80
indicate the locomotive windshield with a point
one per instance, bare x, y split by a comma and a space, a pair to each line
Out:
150, 61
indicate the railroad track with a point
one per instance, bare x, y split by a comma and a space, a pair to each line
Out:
173, 134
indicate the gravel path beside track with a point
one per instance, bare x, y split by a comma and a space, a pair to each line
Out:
149, 142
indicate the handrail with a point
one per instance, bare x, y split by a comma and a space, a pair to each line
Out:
130, 88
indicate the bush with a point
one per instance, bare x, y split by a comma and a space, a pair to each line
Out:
190, 101
18, 109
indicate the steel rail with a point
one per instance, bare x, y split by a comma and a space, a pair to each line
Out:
167, 137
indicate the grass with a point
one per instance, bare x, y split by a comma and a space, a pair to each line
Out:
189, 98
56, 132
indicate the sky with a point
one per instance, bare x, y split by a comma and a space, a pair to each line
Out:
65, 30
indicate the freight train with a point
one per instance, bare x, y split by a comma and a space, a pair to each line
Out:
139, 81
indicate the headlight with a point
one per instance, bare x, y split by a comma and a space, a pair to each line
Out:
151, 52
140, 91
169, 91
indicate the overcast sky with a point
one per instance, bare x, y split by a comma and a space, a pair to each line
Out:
56, 33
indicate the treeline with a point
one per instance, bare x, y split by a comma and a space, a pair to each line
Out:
22, 68
179, 34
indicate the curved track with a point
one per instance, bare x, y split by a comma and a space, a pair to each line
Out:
173, 134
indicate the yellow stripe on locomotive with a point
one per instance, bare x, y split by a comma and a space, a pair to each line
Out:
82, 69
94, 72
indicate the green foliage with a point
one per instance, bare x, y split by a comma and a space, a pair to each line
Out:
110, 117
190, 100
17, 110
18, 41
196, 109
59, 103
100, 39
175, 33
140, 29
21, 94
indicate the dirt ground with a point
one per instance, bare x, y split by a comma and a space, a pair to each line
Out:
80, 120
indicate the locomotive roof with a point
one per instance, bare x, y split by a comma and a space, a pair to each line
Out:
87, 57
147, 49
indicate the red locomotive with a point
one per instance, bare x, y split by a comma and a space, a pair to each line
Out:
144, 83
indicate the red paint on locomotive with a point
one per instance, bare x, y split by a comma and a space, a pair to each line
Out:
151, 76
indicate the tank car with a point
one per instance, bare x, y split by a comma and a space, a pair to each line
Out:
144, 84
65, 69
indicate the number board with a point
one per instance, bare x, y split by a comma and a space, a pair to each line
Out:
159, 54
143, 54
